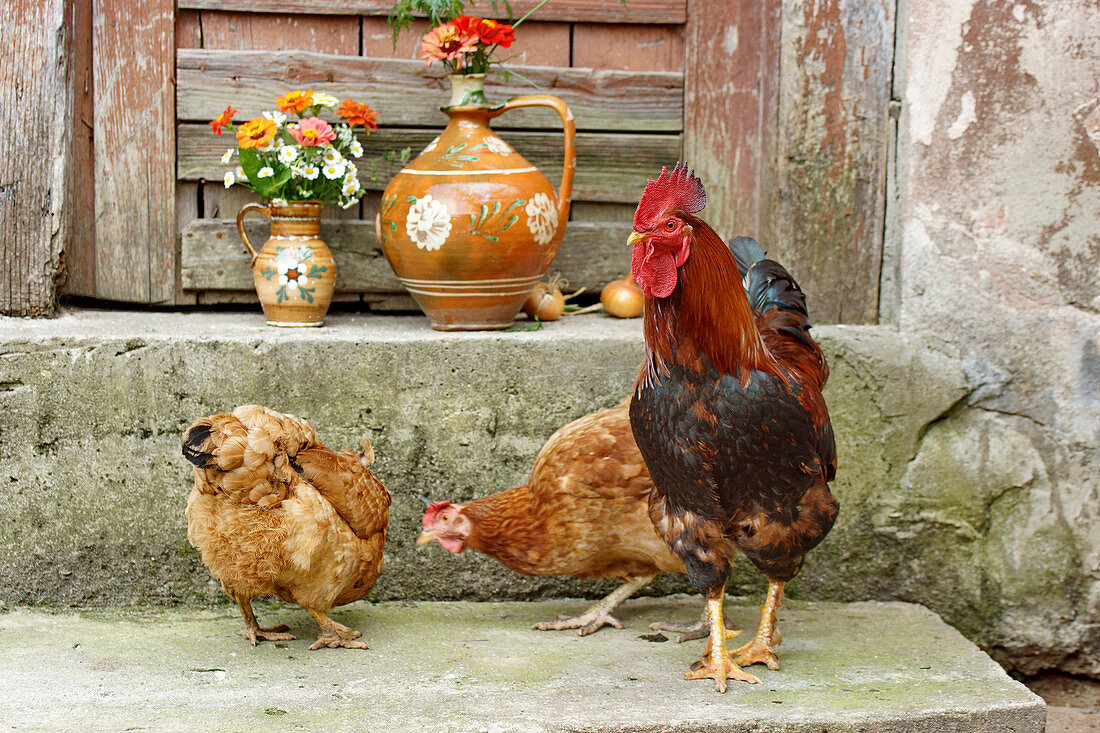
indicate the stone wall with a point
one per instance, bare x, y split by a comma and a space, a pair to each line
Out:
994, 247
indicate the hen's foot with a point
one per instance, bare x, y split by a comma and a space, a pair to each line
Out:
334, 635
256, 634
697, 630
588, 622
761, 650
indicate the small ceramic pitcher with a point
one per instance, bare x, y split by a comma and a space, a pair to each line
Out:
294, 271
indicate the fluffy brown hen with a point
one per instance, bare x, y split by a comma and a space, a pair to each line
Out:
274, 512
583, 512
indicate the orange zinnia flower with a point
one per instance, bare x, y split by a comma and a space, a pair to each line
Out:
224, 119
358, 114
295, 101
447, 42
256, 132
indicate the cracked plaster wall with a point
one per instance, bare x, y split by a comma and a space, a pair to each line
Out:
998, 252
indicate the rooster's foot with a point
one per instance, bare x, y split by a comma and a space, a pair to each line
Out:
719, 667
256, 634
758, 651
588, 622
334, 635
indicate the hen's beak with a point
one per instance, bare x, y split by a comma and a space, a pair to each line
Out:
634, 238
425, 537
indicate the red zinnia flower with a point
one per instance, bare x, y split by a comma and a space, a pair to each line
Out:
224, 119
358, 114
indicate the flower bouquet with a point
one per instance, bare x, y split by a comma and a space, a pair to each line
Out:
298, 165
308, 158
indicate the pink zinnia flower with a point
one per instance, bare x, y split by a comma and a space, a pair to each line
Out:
447, 43
312, 131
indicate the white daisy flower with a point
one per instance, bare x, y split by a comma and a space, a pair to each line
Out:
266, 172
350, 187
270, 145
332, 155
278, 202
356, 149
496, 145
333, 171
325, 100
229, 179
288, 154
344, 135
277, 117
542, 218
240, 173
348, 204
228, 156
428, 223
307, 171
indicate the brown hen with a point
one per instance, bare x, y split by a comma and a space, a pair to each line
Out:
274, 512
583, 512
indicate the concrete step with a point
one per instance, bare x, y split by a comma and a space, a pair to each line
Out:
465, 667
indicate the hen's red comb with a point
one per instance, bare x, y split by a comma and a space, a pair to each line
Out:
680, 190
434, 508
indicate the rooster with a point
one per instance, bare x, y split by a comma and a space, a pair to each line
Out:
727, 412
274, 512
583, 512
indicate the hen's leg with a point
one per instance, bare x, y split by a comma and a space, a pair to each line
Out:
762, 647
696, 630
716, 663
599, 615
253, 632
335, 634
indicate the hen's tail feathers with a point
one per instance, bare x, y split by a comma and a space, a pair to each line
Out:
247, 455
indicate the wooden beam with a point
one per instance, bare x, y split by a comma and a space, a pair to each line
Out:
35, 195
732, 53
825, 217
80, 248
406, 93
595, 11
591, 255
133, 47
609, 167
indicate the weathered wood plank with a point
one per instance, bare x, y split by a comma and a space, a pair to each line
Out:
335, 34
826, 221
537, 43
609, 167
731, 41
628, 47
80, 249
133, 46
407, 93
188, 29
37, 101
214, 259
597, 11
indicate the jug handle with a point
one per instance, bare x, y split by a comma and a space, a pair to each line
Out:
260, 208
569, 126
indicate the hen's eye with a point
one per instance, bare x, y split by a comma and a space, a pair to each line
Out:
670, 225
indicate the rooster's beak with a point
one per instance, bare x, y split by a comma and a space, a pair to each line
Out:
424, 538
634, 238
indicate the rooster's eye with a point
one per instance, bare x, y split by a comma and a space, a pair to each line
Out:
670, 225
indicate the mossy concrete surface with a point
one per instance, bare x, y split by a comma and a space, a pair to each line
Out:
459, 666
941, 502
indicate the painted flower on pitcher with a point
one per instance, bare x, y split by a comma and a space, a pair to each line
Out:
542, 218
431, 146
290, 264
496, 145
428, 223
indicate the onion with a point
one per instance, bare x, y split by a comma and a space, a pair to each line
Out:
623, 298
545, 302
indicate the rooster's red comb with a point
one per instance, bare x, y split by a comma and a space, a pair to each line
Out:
434, 508
679, 190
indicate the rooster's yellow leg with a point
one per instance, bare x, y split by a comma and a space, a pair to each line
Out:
335, 634
762, 648
253, 631
716, 663
599, 615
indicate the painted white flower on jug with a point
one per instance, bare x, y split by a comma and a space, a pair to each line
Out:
542, 218
428, 223
431, 146
290, 265
496, 145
